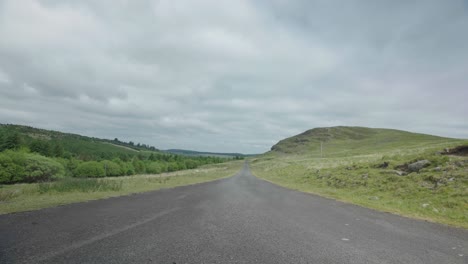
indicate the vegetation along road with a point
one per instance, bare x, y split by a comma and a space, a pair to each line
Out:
240, 219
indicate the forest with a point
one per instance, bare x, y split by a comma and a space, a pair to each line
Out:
29, 154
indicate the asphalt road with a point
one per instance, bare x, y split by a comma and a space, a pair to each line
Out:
237, 220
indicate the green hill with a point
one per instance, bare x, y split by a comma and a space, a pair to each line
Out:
411, 174
347, 141
87, 148
30, 154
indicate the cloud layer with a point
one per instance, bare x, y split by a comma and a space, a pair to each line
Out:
233, 75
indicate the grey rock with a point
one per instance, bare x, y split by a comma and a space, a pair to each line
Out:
383, 165
416, 166
400, 173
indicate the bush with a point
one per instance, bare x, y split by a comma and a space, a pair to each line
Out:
90, 169
191, 164
139, 166
172, 166
25, 167
10, 171
153, 168
39, 168
112, 168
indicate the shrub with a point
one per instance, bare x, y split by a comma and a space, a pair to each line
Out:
112, 168
139, 166
26, 167
191, 164
90, 169
10, 170
153, 168
39, 168
175, 166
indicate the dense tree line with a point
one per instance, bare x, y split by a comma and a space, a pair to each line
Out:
27, 159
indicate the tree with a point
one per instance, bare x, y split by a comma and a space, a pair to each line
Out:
190, 164
11, 141
58, 150
41, 147
138, 165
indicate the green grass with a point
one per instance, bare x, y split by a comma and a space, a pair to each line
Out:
25, 197
351, 141
349, 172
79, 185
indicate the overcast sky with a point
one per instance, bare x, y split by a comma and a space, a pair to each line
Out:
233, 76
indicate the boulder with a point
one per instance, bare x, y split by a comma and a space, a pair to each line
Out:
416, 166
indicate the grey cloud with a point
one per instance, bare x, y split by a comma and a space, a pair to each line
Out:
232, 75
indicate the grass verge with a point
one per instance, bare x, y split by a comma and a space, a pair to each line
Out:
26, 197
437, 193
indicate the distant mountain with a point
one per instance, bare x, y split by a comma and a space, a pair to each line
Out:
202, 153
342, 141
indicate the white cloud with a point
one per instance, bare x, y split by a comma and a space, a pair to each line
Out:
232, 75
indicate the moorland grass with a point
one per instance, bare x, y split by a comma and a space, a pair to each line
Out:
353, 170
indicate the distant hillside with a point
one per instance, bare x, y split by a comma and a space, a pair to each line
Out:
342, 141
76, 145
30, 154
202, 153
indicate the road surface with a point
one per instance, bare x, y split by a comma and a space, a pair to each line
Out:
240, 219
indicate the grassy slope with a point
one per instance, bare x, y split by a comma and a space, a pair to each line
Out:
73, 143
347, 171
25, 197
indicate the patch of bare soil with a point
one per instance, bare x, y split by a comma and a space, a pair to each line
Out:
458, 151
